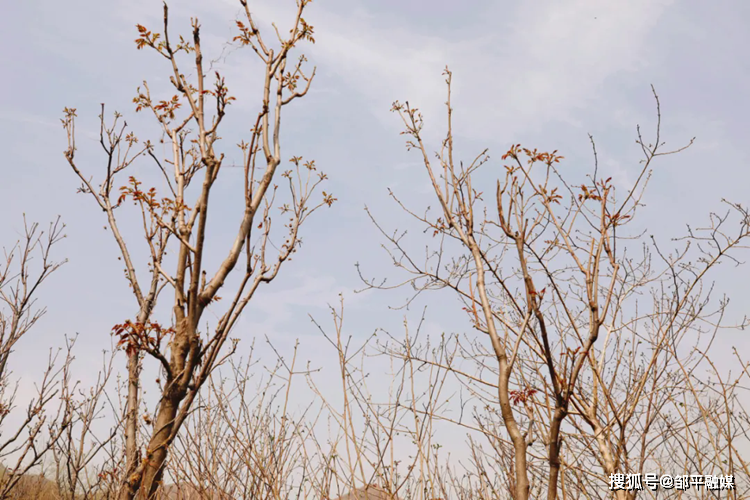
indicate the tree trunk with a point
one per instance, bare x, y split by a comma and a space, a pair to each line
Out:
131, 426
154, 469
554, 453
184, 358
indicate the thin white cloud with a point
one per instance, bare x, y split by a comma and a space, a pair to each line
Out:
544, 62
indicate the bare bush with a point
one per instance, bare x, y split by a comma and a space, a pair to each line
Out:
48, 412
49, 448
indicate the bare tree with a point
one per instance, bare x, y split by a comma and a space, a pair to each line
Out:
549, 272
176, 217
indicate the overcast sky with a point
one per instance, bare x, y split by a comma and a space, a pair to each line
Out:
543, 73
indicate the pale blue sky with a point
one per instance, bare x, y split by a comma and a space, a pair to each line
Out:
543, 73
